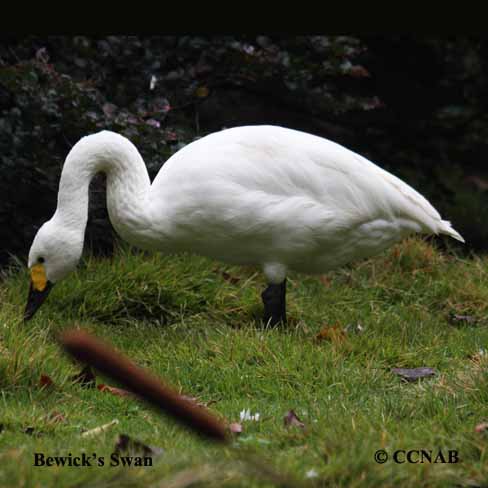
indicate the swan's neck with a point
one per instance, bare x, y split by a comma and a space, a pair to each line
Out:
128, 187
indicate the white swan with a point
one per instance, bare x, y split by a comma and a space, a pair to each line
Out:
265, 195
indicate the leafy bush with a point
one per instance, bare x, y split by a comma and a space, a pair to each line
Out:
415, 106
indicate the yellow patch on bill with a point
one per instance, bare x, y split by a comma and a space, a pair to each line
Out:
38, 277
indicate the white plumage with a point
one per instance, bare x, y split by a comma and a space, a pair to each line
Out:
265, 195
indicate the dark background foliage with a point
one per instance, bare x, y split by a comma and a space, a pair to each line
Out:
416, 106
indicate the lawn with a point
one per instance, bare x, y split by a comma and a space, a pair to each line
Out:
195, 323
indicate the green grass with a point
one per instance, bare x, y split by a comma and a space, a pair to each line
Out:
183, 318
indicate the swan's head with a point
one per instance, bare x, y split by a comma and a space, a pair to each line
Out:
55, 252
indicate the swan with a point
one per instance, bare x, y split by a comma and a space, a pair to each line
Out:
263, 195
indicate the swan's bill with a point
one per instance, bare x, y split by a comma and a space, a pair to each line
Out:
39, 289
38, 277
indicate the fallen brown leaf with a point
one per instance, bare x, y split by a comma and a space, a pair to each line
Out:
414, 374
333, 333
462, 319
114, 390
45, 381
291, 420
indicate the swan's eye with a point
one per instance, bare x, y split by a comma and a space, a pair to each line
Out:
40, 259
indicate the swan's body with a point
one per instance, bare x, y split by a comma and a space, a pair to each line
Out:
265, 195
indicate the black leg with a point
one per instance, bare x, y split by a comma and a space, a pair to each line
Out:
274, 299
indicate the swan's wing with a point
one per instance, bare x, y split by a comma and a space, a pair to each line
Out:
405, 202
271, 180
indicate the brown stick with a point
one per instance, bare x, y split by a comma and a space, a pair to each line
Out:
92, 351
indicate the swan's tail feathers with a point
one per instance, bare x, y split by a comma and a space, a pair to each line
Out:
446, 228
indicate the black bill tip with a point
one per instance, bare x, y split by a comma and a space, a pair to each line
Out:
35, 300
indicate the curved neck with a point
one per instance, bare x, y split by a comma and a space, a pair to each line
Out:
128, 186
